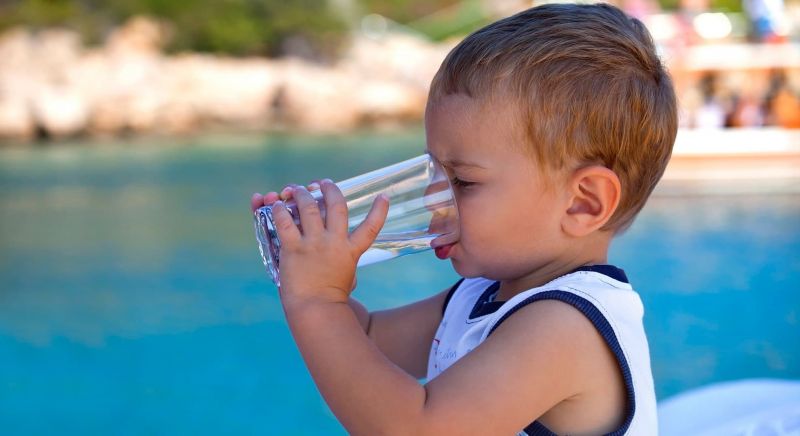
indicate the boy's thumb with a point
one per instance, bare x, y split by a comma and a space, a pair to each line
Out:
366, 232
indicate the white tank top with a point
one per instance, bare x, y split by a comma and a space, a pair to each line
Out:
600, 292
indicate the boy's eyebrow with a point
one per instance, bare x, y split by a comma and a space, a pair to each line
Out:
455, 163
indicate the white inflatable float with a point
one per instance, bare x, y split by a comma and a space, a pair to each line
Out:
757, 407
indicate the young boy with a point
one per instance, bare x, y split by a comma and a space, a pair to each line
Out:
554, 126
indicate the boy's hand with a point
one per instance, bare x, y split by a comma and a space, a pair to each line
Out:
258, 200
318, 263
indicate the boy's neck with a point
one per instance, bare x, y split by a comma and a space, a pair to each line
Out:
553, 270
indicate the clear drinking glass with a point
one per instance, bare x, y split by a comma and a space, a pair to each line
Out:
422, 212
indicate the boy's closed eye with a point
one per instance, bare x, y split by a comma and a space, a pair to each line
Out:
457, 182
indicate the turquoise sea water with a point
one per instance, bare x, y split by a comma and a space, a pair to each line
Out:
133, 300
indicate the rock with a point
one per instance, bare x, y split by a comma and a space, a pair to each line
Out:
59, 112
398, 57
49, 81
318, 99
107, 117
57, 49
223, 90
142, 114
16, 121
177, 118
382, 100
124, 91
139, 35
16, 48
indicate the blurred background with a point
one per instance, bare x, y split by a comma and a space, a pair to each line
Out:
133, 132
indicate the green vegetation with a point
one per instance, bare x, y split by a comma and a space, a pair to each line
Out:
315, 28
237, 27
713, 5
437, 19
244, 27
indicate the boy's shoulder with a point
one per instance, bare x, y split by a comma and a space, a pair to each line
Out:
581, 331
548, 343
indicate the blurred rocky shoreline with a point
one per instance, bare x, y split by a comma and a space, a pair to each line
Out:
52, 86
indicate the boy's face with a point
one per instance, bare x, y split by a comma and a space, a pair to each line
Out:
509, 219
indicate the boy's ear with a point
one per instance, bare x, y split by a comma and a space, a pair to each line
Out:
594, 195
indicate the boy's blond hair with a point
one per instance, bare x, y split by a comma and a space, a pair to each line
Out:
589, 86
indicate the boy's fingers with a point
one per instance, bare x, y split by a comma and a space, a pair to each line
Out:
314, 185
256, 201
310, 216
366, 232
335, 208
271, 197
288, 192
288, 232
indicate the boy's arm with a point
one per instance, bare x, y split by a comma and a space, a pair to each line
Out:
404, 334
546, 353
361, 313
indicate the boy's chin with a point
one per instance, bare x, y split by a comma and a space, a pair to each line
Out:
464, 269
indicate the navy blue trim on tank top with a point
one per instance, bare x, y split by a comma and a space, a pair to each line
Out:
607, 270
450, 295
484, 305
604, 328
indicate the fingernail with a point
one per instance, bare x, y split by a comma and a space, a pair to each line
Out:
255, 194
277, 204
314, 186
327, 181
